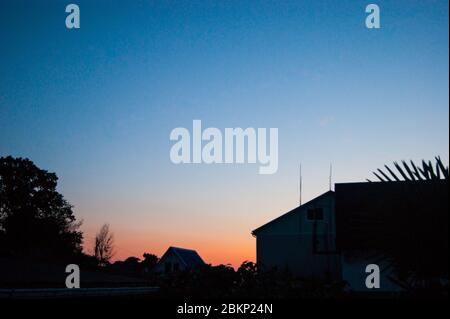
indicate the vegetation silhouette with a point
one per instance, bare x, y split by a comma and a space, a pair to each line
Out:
104, 245
35, 219
414, 172
36, 222
248, 281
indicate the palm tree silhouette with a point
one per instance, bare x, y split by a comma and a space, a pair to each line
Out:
414, 172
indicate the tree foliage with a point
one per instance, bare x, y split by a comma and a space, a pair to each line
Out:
150, 260
35, 219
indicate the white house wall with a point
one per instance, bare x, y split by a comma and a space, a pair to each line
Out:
287, 243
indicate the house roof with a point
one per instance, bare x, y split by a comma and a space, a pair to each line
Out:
255, 231
188, 257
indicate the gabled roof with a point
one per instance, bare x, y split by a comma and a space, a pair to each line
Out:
188, 257
254, 232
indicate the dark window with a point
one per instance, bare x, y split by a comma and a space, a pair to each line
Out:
315, 214
167, 267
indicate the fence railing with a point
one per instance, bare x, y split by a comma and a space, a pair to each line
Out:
75, 292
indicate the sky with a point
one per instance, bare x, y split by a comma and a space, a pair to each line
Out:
97, 104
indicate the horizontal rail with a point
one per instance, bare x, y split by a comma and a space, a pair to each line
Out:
75, 292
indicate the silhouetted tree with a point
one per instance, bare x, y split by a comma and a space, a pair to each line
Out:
132, 260
104, 245
149, 261
35, 220
248, 275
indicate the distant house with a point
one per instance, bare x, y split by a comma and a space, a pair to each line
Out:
178, 259
335, 235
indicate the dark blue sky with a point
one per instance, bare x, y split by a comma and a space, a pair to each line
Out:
96, 105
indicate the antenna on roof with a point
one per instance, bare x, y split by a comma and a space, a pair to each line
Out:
331, 174
300, 186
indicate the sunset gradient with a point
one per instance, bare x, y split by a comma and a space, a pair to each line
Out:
96, 105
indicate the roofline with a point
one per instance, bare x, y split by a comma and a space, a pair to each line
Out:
289, 212
390, 182
180, 248
176, 249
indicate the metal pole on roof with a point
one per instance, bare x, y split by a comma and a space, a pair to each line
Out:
331, 174
300, 186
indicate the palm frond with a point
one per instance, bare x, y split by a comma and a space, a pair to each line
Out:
443, 169
384, 175
379, 177
392, 173
431, 170
424, 170
416, 171
413, 172
408, 170
400, 170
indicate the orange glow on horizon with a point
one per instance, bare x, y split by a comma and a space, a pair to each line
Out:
214, 251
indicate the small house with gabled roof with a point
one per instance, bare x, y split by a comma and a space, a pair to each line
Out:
178, 259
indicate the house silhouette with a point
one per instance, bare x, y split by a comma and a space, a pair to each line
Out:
337, 234
293, 240
178, 259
